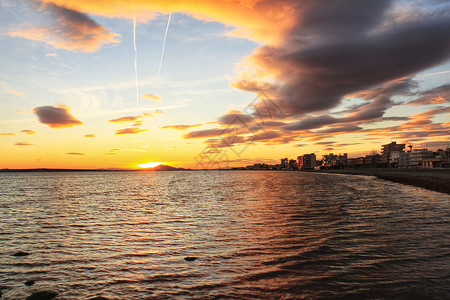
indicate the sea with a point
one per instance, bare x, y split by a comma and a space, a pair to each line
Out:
221, 235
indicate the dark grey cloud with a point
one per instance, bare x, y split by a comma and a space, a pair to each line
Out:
235, 118
56, 116
371, 111
344, 47
313, 123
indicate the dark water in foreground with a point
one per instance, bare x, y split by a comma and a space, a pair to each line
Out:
271, 235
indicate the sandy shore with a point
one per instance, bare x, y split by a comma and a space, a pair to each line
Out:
432, 179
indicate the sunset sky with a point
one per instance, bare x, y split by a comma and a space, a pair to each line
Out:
114, 84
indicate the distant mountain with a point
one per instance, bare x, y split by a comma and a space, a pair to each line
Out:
166, 168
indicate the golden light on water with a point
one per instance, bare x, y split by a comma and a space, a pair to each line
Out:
151, 164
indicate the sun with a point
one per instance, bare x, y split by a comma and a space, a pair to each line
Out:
151, 164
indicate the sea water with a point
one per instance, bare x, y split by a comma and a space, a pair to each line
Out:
255, 234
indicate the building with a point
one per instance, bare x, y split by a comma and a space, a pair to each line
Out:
329, 160
284, 163
387, 149
370, 161
399, 159
335, 161
343, 158
307, 161
293, 164
436, 163
417, 156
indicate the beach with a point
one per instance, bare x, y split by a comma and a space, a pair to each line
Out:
431, 179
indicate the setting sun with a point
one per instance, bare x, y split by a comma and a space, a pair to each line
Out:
151, 164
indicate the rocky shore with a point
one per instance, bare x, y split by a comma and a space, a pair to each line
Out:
431, 179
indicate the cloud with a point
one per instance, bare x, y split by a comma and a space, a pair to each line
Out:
7, 133
340, 49
56, 116
21, 94
316, 54
437, 95
400, 86
29, 132
151, 97
261, 20
130, 131
124, 120
206, 133
371, 111
51, 54
75, 153
267, 135
90, 135
155, 113
312, 123
23, 144
180, 127
71, 30
113, 151
325, 143
235, 118
227, 141
343, 128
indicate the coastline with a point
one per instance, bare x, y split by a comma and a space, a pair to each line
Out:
437, 180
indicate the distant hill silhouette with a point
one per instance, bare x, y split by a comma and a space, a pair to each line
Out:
166, 168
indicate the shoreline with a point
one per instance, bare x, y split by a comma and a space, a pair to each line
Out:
437, 180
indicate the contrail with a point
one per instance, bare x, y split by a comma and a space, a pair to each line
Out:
135, 62
164, 44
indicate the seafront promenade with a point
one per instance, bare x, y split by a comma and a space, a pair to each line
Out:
432, 179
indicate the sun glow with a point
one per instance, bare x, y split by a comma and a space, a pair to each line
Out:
151, 164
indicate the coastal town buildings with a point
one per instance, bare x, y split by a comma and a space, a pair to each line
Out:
393, 155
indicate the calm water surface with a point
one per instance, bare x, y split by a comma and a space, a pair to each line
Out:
257, 234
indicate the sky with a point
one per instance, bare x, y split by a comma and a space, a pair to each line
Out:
212, 84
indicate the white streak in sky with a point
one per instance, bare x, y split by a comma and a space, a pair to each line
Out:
164, 44
135, 63
432, 74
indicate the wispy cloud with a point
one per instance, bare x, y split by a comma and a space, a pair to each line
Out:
90, 135
124, 120
21, 94
75, 153
180, 127
151, 97
130, 131
21, 144
29, 132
